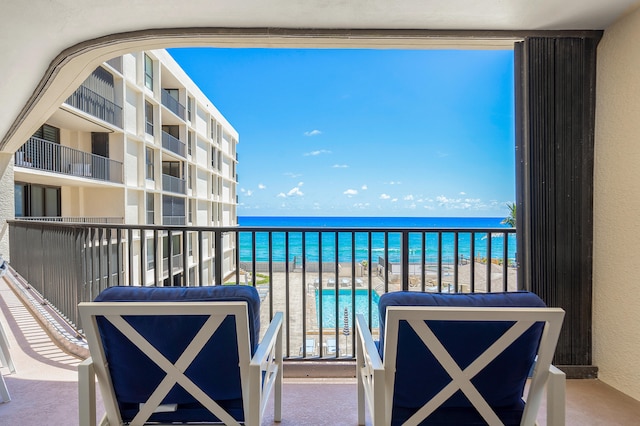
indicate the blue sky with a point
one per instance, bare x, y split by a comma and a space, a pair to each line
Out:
348, 132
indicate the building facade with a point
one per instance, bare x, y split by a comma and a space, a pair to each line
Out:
137, 143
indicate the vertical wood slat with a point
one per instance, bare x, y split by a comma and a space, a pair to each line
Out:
555, 98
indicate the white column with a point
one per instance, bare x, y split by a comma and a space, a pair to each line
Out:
7, 208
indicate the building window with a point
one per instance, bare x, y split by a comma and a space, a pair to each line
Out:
171, 168
149, 160
150, 209
190, 211
190, 178
148, 116
189, 107
213, 158
36, 200
48, 133
212, 132
189, 142
148, 72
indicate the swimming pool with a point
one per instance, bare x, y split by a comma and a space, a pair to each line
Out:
344, 301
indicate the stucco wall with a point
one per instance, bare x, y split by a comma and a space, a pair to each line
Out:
616, 313
7, 208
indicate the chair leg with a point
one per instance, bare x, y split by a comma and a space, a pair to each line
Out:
4, 392
87, 393
556, 395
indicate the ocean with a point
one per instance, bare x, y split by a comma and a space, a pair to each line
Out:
377, 247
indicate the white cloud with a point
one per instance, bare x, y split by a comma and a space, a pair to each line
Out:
281, 195
314, 132
408, 198
318, 152
463, 193
261, 186
340, 166
351, 192
361, 205
364, 187
295, 191
292, 175
395, 200
384, 197
394, 182
249, 193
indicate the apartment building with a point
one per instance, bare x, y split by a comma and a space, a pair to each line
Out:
138, 143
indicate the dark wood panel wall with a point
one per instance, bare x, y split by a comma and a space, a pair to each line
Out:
555, 100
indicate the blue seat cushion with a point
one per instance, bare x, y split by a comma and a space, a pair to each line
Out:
419, 376
215, 370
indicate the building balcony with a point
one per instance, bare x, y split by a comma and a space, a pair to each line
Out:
172, 104
174, 184
48, 156
96, 105
173, 144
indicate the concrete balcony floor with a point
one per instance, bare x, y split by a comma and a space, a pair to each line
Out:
44, 387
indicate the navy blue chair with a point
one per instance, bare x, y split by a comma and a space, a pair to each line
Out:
460, 359
177, 355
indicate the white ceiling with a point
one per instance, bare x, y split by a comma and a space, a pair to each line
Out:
34, 33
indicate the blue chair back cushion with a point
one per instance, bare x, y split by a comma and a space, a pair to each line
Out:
419, 376
215, 370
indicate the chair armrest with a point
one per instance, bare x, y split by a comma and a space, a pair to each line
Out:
369, 374
268, 341
556, 391
267, 359
87, 392
370, 350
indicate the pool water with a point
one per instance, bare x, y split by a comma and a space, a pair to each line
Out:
344, 301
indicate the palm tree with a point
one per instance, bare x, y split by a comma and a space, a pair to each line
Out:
511, 220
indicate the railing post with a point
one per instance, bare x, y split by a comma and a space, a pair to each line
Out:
218, 257
405, 260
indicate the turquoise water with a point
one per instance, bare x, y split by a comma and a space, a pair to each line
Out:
343, 240
344, 301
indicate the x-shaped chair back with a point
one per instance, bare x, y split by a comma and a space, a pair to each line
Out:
181, 361
471, 358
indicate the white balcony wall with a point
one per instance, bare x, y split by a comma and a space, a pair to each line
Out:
225, 167
202, 213
202, 153
135, 211
202, 183
129, 67
106, 202
226, 144
201, 122
226, 191
133, 165
131, 106
616, 299
227, 219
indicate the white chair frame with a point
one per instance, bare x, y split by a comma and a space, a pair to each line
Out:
376, 378
5, 361
255, 390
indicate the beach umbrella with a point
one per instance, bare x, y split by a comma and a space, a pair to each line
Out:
345, 328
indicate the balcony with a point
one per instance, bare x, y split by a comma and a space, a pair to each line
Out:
46, 376
52, 157
172, 104
173, 144
295, 270
174, 184
94, 104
